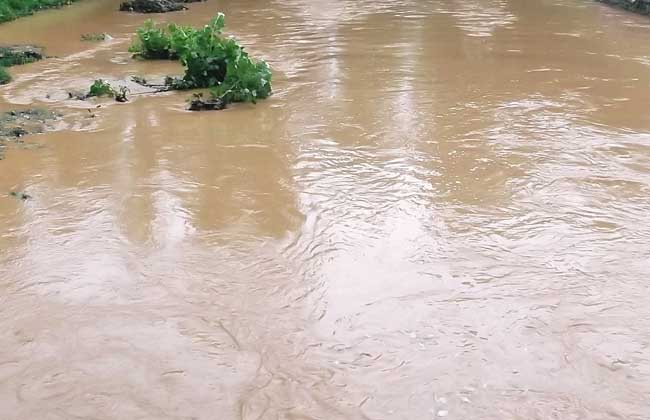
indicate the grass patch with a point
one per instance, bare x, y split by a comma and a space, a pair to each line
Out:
15, 55
211, 60
12, 9
5, 77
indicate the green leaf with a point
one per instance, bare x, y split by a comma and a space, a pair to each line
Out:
210, 60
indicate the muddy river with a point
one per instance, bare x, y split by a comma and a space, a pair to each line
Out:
442, 212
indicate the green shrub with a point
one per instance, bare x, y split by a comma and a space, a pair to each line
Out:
203, 53
100, 88
151, 42
180, 39
14, 60
245, 81
4, 76
210, 60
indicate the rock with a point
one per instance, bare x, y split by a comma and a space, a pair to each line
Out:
11, 55
17, 132
200, 104
163, 85
81, 96
96, 37
121, 94
151, 6
16, 124
190, 1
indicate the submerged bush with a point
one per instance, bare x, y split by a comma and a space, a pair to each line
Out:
4, 76
245, 81
100, 88
210, 60
151, 42
156, 43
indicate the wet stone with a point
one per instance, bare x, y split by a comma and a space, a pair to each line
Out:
151, 6
94, 37
16, 124
200, 104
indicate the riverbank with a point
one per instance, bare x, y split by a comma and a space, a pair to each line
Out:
638, 6
10, 10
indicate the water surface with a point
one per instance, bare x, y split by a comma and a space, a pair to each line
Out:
442, 212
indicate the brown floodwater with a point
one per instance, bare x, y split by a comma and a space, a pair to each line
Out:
442, 212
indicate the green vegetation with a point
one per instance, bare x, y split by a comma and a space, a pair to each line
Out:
210, 60
100, 88
12, 9
14, 55
152, 43
4, 76
16, 59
